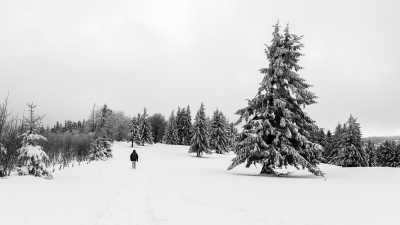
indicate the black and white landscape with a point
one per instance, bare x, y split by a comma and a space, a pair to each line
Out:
260, 112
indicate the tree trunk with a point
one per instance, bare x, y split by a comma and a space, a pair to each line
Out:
266, 169
132, 143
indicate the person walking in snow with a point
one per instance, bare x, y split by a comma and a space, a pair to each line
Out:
134, 159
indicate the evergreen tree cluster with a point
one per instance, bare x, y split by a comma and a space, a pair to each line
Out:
204, 135
178, 130
69, 126
141, 131
158, 125
171, 131
388, 154
345, 148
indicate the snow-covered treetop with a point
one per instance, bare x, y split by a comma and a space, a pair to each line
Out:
30, 151
31, 138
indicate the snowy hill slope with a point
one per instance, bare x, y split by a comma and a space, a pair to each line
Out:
171, 186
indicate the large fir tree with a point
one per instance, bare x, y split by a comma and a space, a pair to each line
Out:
349, 150
219, 140
276, 126
199, 142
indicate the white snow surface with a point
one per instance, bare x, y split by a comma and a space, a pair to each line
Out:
173, 187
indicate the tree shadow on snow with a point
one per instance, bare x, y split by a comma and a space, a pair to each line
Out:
202, 157
291, 176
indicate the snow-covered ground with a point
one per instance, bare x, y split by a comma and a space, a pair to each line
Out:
173, 187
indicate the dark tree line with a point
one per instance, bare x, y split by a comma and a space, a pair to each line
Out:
345, 148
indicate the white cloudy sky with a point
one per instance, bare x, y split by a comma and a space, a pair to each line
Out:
67, 55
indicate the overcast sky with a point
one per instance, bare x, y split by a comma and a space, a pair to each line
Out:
66, 56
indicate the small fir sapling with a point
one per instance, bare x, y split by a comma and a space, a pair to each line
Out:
199, 142
276, 128
31, 154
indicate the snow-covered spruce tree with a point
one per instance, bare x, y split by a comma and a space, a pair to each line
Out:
100, 149
276, 127
171, 134
208, 128
370, 152
31, 154
158, 125
388, 154
232, 135
146, 135
134, 135
336, 142
180, 114
219, 140
199, 142
349, 151
328, 147
187, 127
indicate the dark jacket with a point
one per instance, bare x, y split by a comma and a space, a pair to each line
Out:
134, 156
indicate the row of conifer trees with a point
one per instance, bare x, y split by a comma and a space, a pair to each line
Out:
346, 148
203, 135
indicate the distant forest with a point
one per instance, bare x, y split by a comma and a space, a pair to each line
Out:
377, 140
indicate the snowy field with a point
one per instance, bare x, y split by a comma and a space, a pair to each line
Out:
173, 187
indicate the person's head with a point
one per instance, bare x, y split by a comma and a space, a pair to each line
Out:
134, 150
